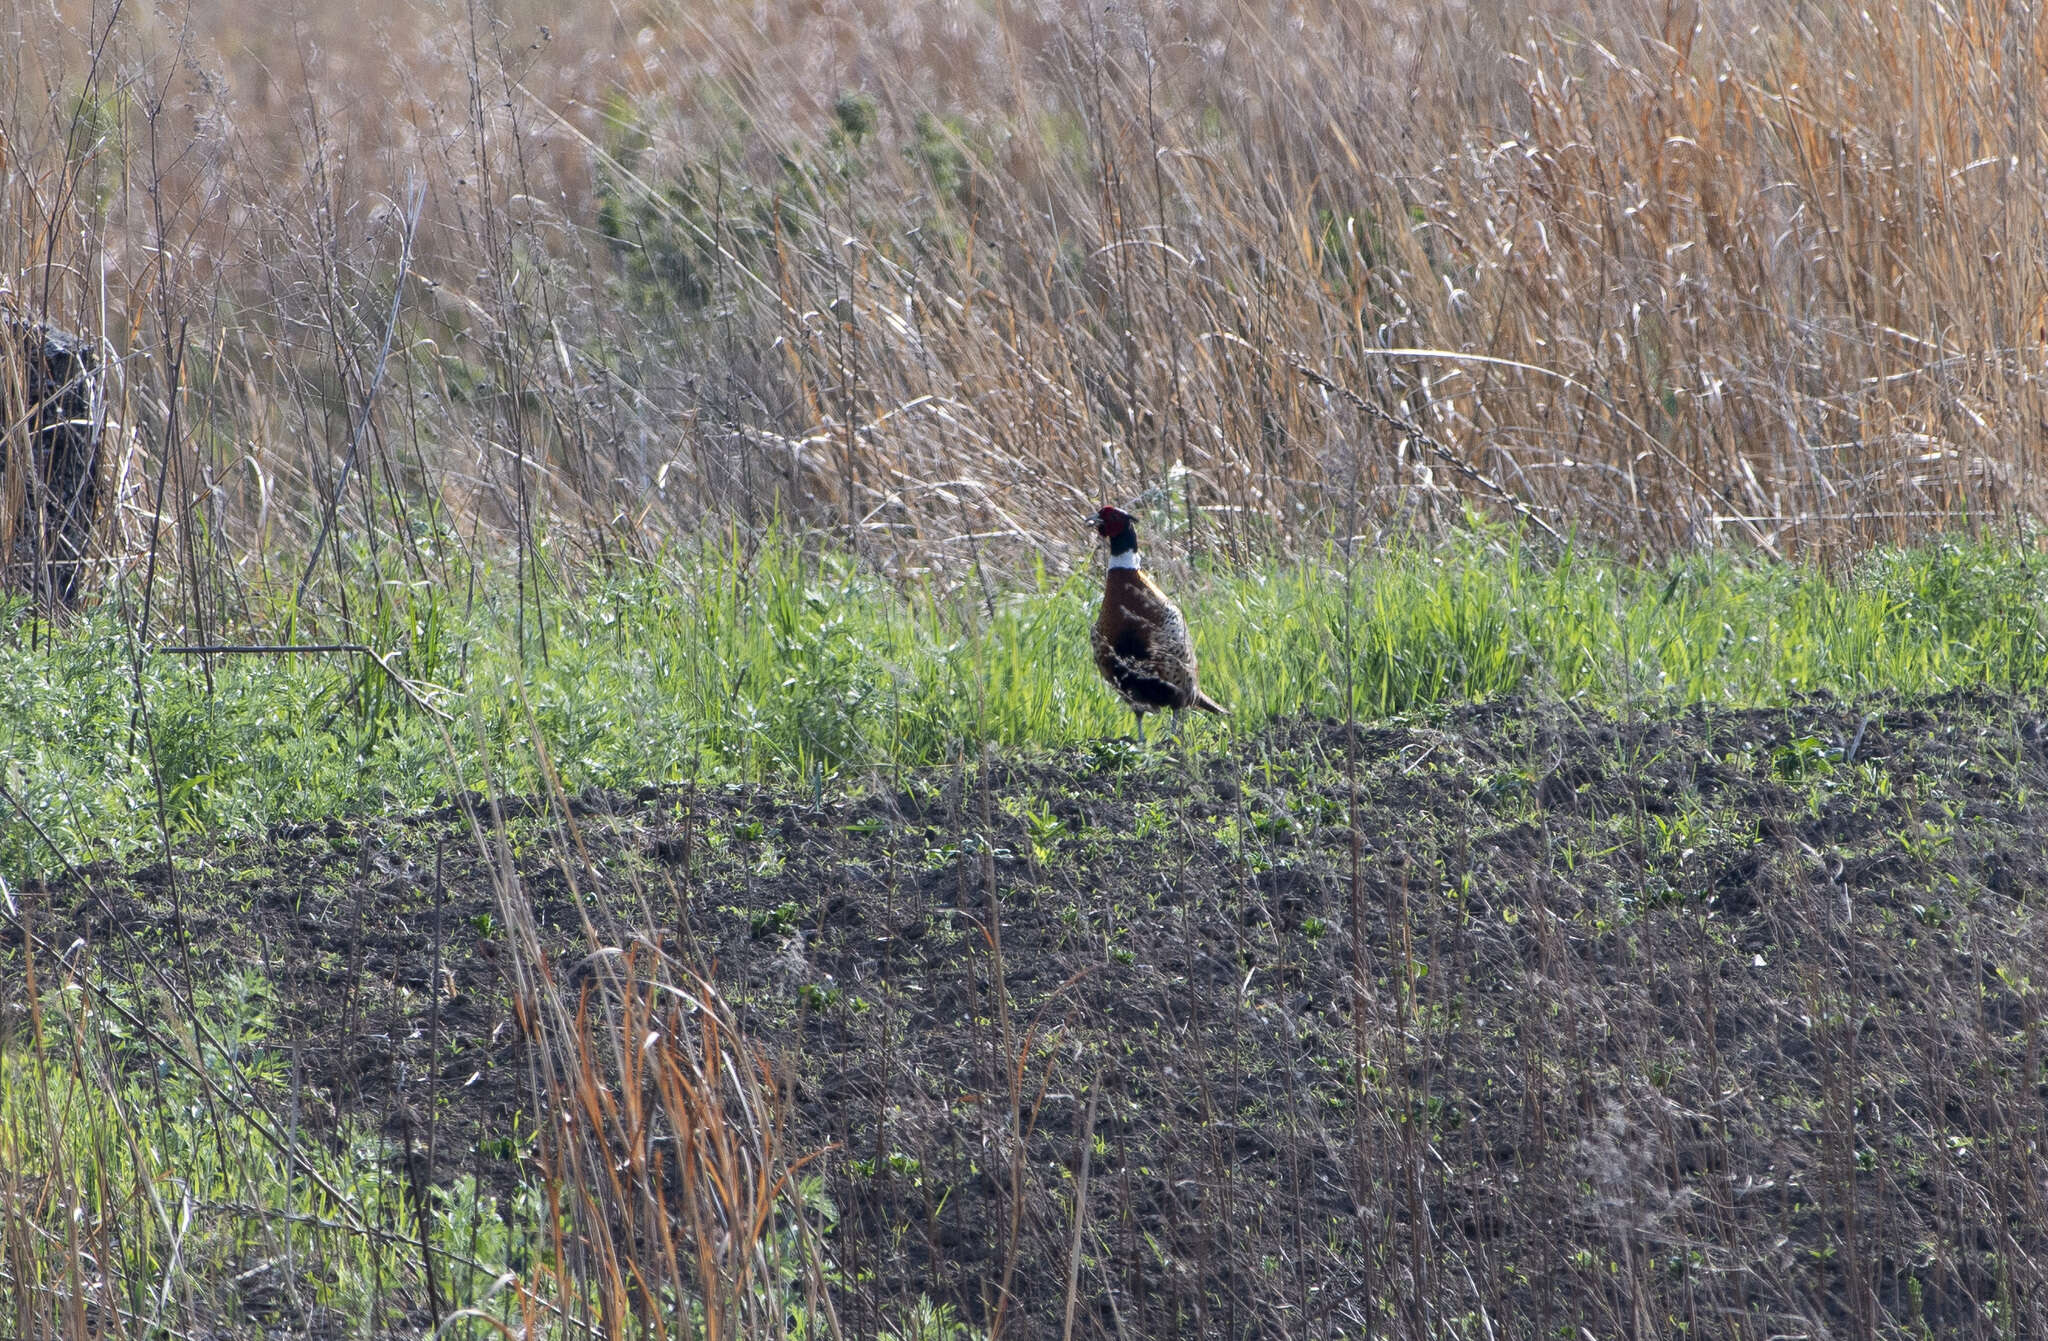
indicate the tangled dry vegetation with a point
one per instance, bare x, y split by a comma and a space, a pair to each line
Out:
1765, 275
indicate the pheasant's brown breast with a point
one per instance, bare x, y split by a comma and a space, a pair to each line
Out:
1141, 644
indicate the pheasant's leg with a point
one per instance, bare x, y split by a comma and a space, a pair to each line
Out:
1141, 726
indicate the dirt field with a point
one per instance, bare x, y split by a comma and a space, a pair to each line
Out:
1723, 1019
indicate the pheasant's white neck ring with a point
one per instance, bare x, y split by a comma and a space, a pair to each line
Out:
1129, 560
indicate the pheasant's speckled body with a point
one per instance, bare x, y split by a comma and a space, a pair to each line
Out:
1141, 641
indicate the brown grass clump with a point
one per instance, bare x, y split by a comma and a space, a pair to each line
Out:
678, 1201
934, 278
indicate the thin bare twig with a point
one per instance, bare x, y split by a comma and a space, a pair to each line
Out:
416, 199
1424, 437
406, 686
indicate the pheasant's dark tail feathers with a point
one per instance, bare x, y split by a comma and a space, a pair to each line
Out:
1207, 704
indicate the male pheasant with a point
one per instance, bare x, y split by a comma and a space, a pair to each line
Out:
1141, 642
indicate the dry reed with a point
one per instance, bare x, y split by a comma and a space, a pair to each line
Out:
935, 279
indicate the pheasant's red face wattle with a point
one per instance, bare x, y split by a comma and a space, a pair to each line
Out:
1111, 521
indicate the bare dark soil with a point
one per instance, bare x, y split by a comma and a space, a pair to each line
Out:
1728, 1021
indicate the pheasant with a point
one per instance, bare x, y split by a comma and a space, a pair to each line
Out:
1141, 642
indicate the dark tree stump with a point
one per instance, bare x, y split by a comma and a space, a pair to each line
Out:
50, 405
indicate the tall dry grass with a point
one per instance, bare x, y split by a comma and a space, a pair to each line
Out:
937, 277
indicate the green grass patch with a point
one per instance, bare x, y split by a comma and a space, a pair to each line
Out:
146, 1177
725, 663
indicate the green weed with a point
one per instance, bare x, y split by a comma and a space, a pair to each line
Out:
723, 662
